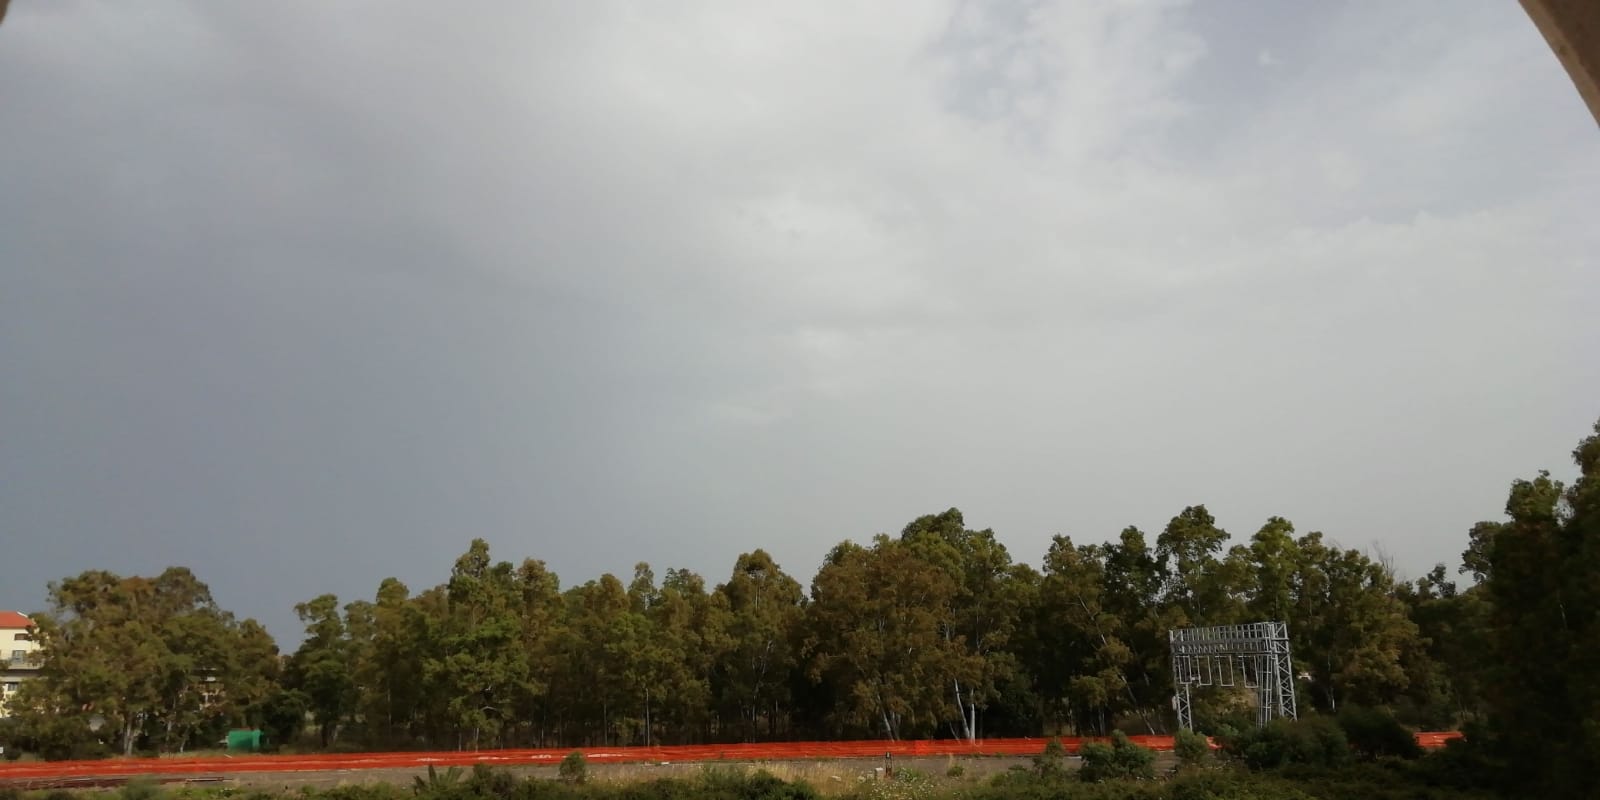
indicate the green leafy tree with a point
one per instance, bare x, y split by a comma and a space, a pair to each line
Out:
388, 664
1085, 638
593, 679
149, 660
541, 612
983, 613
322, 669
877, 634
1351, 626
1199, 589
762, 608
479, 660
1541, 572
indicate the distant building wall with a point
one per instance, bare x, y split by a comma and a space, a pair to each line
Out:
19, 656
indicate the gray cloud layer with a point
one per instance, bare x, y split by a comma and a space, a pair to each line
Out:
306, 294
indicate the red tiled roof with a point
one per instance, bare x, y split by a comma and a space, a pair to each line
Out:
11, 619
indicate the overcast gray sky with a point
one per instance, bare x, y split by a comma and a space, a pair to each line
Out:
306, 294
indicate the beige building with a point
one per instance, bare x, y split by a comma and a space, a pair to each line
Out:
19, 655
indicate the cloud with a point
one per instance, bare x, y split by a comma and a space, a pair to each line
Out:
617, 281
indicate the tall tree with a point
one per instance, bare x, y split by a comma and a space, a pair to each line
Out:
1088, 639
480, 660
1199, 589
540, 610
322, 669
1350, 626
763, 607
1542, 575
388, 668
982, 615
152, 659
594, 646
876, 632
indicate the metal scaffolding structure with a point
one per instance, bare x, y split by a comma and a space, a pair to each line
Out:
1254, 656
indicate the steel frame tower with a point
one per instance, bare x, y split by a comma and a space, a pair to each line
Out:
1255, 656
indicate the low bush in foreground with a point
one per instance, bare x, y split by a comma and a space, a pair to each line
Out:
574, 768
1377, 734
1390, 779
1312, 741
1192, 749
1121, 760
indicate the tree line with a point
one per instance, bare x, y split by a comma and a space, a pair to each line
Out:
934, 632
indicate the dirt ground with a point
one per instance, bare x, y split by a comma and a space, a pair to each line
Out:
838, 773
819, 773
828, 776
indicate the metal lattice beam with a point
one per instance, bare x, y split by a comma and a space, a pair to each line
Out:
1256, 656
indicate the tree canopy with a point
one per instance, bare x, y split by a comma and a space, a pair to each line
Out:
935, 631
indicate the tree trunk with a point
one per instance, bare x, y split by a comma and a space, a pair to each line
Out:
967, 725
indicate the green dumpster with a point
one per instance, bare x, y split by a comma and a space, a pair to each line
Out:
244, 741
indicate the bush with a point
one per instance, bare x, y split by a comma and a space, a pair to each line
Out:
1053, 761
1231, 785
437, 784
730, 784
1313, 741
907, 784
574, 768
1469, 762
10, 793
955, 771
358, 791
488, 782
140, 789
1119, 760
1030, 787
1192, 748
1376, 734
658, 789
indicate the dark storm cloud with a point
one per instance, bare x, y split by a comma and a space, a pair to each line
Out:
304, 295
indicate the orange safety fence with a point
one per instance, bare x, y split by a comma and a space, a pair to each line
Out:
780, 751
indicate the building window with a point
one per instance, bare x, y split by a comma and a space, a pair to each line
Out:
20, 637
18, 655
12, 686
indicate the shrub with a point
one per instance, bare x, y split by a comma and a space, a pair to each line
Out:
764, 785
437, 783
140, 789
1029, 787
907, 784
955, 771
574, 768
1231, 785
1192, 749
1053, 761
535, 789
358, 791
1119, 760
10, 793
1313, 741
488, 782
1472, 761
1376, 734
